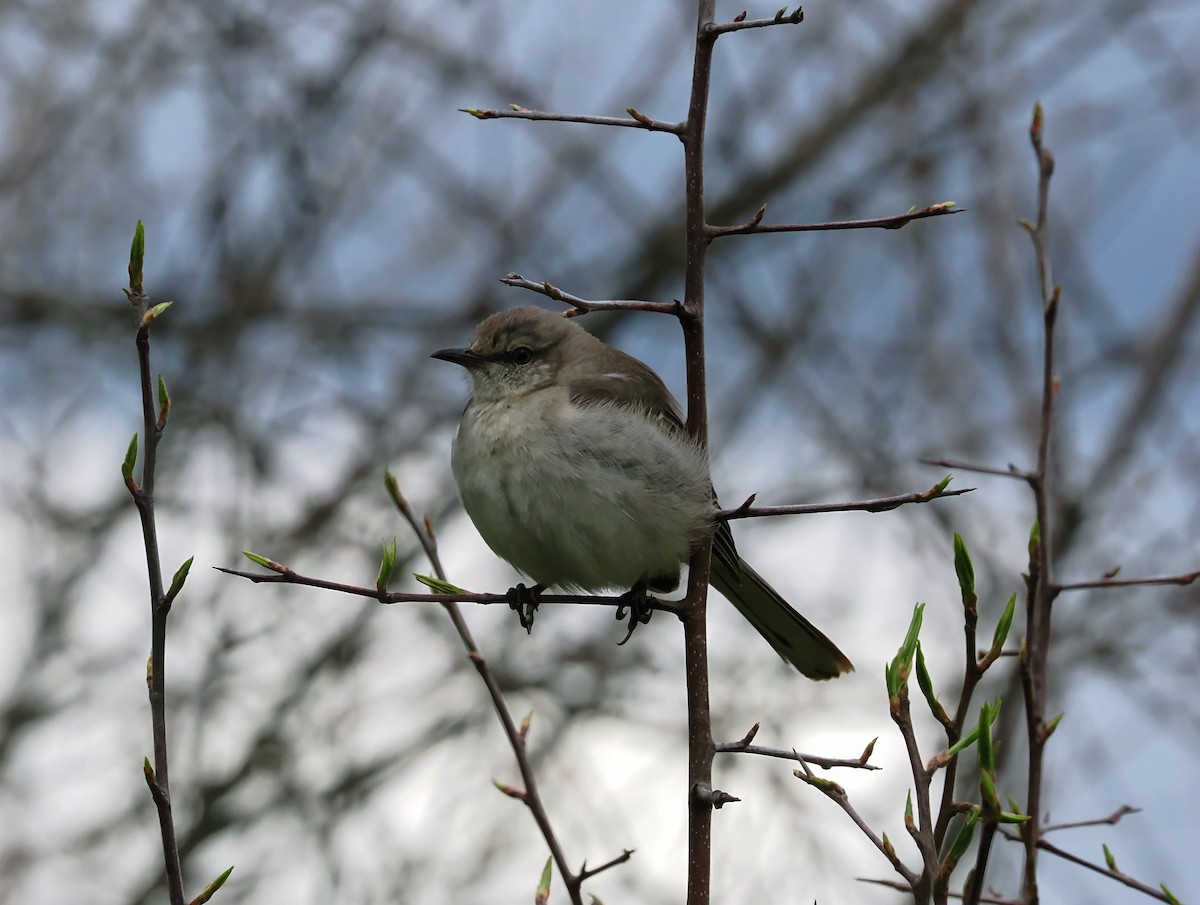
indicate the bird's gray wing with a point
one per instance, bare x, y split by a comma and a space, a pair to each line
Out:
633, 384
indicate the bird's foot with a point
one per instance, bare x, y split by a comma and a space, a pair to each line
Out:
641, 608
525, 601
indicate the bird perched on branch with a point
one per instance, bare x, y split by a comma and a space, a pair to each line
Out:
573, 461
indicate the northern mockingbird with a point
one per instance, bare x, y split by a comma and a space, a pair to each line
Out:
573, 462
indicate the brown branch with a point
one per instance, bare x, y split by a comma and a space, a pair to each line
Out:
882, 504
740, 22
988, 835
586, 873
1111, 820
922, 832
516, 735
973, 670
143, 498
636, 120
586, 306
1181, 580
1111, 873
744, 746
1011, 472
753, 226
893, 884
288, 576
695, 609
837, 794
1040, 589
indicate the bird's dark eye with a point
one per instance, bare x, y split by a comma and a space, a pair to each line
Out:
521, 355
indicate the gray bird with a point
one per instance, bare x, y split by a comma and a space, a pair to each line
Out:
573, 461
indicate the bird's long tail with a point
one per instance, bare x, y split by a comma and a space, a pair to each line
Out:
794, 638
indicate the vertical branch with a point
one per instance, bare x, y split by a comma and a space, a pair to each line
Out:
1040, 593
700, 742
160, 603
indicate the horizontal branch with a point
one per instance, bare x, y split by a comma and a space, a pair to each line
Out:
1111, 820
1011, 472
1181, 580
743, 746
881, 504
287, 576
586, 873
896, 884
636, 120
754, 225
586, 306
1111, 873
741, 23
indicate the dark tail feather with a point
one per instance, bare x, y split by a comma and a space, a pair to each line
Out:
794, 638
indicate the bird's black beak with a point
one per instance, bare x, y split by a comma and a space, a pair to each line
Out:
464, 357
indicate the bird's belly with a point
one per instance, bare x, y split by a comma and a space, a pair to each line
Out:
582, 507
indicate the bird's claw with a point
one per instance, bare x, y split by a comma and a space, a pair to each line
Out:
525, 601
641, 608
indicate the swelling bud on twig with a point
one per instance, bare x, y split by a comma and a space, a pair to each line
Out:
164, 403
137, 256
130, 461
266, 563
155, 312
177, 581
509, 790
212, 887
1001, 633
926, 682
543, 888
898, 671
386, 566
438, 586
963, 840
965, 571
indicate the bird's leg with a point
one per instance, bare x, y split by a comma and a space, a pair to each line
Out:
525, 601
641, 608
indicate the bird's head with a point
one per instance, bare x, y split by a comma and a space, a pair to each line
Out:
515, 352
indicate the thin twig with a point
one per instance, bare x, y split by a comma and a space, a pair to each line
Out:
586, 306
288, 576
1111, 820
973, 671
881, 504
1111, 873
1181, 580
740, 23
837, 794
1011, 472
894, 222
143, 498
744, 746
1040, 588
586, 873
636, 119
894, 884
516, 737
974, 895
922, 831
